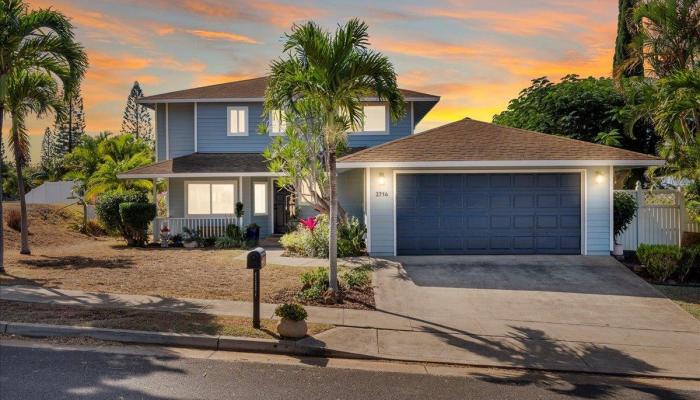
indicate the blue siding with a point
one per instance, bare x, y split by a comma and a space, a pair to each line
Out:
212, 130
180, 129
160, 131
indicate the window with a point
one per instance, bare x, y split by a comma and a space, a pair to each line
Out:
210, 198
260, 198
237, 121
278, 125
375, 119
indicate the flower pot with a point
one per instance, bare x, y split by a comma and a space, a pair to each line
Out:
190, 245
292, 329
618, 250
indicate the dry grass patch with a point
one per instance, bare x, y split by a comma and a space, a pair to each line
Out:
158, 321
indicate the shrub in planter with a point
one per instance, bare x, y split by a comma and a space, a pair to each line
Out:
135, 218
624, 210
107, 208
293, 320
192, 237
660, 260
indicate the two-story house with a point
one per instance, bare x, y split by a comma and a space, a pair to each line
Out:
467, 187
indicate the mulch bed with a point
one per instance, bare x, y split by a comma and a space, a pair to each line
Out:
357, 299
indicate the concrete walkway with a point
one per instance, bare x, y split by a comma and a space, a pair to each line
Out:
386, 335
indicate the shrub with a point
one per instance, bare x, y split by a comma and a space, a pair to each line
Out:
314, 284
239, 210
93, 228
107, 208
293, 241
135, 218
689, 259
234, 232
351, 238
357, 277
292, 311
192, 235
226, 242
14, 219
624, 209
660, 260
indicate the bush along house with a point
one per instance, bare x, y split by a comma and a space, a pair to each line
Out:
467, 187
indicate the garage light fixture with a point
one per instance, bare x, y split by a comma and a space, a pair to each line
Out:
381, 178
599, 177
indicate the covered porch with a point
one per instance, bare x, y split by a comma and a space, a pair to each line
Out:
203, 190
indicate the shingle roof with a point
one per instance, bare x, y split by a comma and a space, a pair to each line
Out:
470, 140
203, 163
245, 89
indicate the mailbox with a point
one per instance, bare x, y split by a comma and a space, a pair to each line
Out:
256, 258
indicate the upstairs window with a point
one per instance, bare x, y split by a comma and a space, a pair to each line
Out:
278, 125
237, 121
375, 119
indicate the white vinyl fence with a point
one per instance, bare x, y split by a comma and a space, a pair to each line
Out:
208, 226
661, 219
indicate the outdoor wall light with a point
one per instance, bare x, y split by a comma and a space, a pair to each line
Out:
599, 177
381, 178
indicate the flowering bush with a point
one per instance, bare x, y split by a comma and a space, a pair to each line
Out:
308, 223
310, 239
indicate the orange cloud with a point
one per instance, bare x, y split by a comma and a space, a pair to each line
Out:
214, 35
101, 60
426, 48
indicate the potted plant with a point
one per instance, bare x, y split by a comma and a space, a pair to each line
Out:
191, 238
164, 235
624, 210
252, 233
293, 320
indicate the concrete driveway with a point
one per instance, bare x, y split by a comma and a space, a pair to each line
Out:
536, 310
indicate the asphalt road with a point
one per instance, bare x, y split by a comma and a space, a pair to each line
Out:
29, 373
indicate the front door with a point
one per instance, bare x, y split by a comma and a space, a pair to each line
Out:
281, 209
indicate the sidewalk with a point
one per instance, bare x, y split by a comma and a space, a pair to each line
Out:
377, 334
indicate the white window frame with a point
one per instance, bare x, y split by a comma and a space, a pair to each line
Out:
187, 195
228, 120
283, 124
386, 121
267, 197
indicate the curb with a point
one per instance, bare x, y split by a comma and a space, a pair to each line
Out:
161, 338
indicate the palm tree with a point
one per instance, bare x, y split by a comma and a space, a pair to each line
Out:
35, 92
41, 40
667, 36
332, 73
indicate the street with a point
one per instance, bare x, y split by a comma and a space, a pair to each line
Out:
31, 370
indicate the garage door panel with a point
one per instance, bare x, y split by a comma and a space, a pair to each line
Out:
488, 213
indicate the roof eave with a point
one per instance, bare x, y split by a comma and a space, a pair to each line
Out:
146, 100
147, 175
499, 163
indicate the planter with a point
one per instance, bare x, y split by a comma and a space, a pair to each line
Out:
189, 245
618, 250
292, 329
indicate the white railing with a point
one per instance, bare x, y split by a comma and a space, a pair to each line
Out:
661, 219
209, 227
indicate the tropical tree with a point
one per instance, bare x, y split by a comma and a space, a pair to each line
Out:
28, 92
625, 35
666, 37
69, 128
331, 73
40, 40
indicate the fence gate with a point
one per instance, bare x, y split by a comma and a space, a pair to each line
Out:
661, 219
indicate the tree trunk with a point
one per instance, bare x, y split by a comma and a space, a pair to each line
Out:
24, 234
333, 223
2, 180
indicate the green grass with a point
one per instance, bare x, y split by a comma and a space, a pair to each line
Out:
687, 297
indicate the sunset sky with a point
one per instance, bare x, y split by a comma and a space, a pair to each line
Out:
476, 54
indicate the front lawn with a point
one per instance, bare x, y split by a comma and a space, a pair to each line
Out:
158, 321
688, 297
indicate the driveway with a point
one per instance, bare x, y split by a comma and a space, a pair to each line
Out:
537, 309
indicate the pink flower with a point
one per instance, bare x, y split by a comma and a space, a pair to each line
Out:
308, 223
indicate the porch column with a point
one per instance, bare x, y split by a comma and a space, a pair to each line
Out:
156, 228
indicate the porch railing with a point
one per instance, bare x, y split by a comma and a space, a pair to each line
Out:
208, 226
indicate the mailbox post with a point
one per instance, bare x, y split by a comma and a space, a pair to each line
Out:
255, 261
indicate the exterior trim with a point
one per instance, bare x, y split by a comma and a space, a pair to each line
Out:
611, 176
413, 128
195, 127
387, 123
502, 163
584, 198
255, 100
155, 123
200, 175
167, 133
368, 209
228, 120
